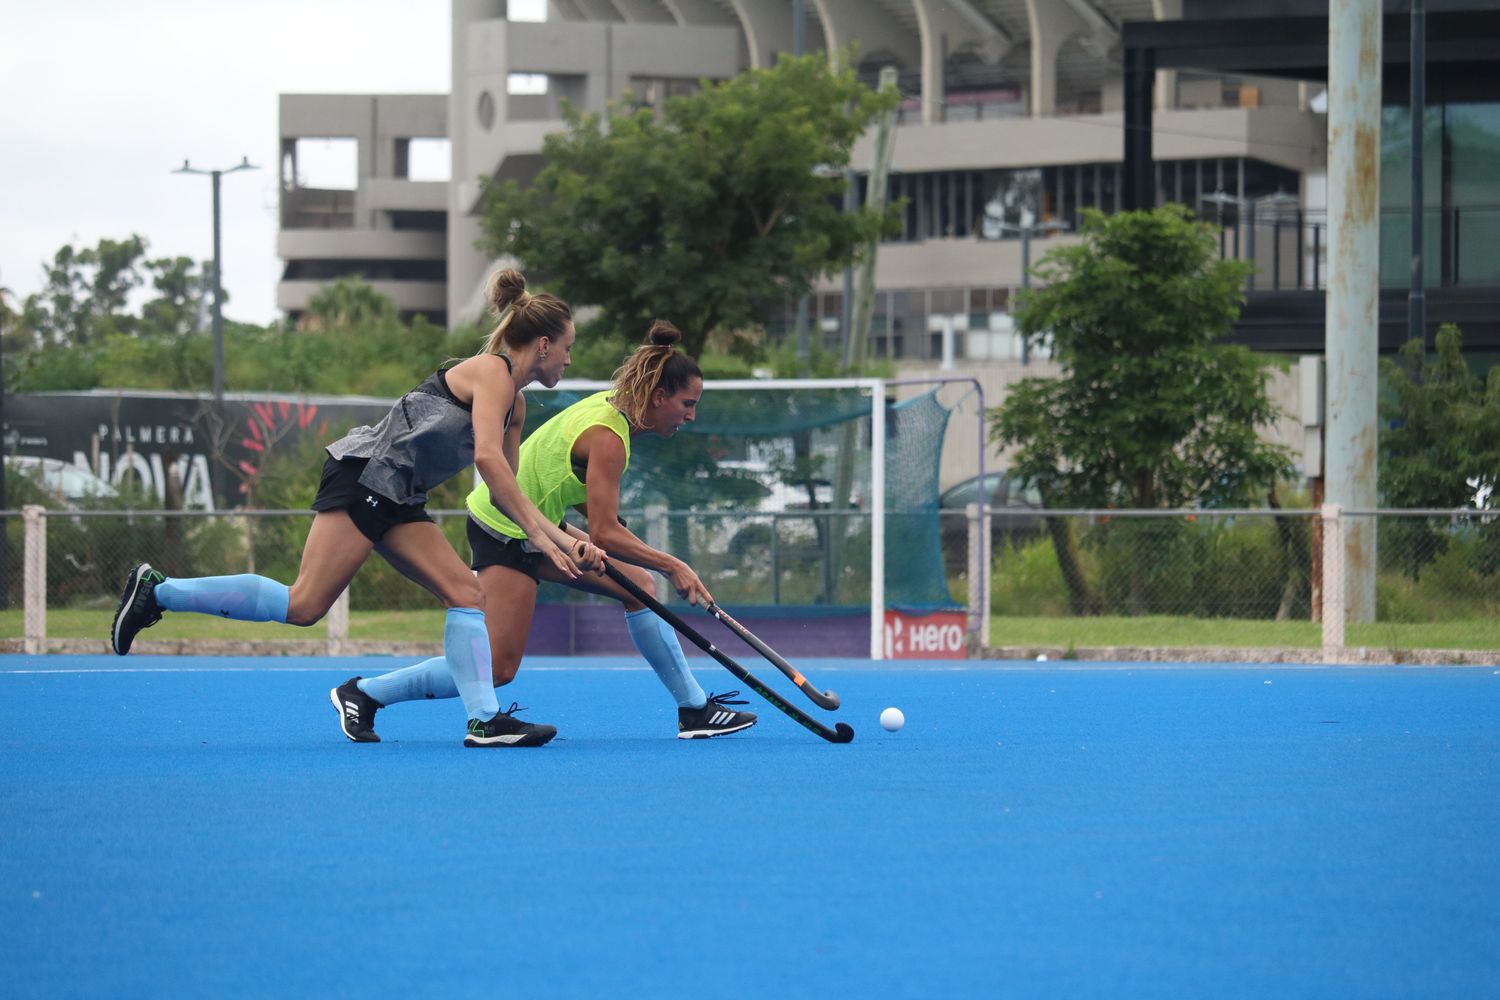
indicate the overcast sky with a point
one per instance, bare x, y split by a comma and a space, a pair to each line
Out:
101, 99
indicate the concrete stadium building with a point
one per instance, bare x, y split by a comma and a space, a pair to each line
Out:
1012, 113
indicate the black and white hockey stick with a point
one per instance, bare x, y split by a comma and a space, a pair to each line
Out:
823, 699
841, 733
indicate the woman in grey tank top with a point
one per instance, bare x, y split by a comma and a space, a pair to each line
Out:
372, 498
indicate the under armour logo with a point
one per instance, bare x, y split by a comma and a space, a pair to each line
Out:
372, 501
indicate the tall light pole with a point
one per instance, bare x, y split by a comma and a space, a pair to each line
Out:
1416, 301
1025, 230
244, 164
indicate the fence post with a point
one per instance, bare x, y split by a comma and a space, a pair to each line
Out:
34, 575
656, 537
1333, 582
338, 625
247, 529
981, 557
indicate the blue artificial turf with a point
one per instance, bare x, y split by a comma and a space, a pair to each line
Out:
1211, 831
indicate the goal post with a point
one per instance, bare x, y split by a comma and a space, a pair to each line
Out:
775, 492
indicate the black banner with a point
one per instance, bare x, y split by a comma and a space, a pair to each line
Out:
215, 451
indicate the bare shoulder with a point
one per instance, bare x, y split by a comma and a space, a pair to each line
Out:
482, 365
483, 373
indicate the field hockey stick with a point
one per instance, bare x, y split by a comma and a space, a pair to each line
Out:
823, 699
842, 733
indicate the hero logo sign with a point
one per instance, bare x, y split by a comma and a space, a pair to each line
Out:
936, 635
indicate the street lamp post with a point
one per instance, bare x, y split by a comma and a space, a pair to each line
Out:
244, 164
1025, 231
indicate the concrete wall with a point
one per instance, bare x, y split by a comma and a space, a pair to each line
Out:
376, 121
322, 225
593, 63
385, 194
1284, 136
967, 263
408, 296
359, 244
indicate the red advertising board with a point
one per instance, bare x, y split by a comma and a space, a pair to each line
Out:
930, 635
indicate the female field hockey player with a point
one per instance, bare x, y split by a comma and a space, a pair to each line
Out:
577, 459
373, 495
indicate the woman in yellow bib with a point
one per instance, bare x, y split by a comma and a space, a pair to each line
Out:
576, 460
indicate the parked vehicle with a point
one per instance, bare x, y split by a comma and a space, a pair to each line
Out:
775, 496
1015, 513
65, 482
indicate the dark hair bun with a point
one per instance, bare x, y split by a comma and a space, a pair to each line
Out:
663, 334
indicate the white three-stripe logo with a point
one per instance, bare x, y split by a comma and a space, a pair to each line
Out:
720, 718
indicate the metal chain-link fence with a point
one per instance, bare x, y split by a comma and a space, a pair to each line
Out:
1389, 579
79, 559
1393, 580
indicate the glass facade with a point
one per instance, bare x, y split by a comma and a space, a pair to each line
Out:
906, 324
1461, 195
959, 204
1472, 178
909, 324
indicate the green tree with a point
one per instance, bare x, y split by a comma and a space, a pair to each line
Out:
1440, 448
348, 302
1151, 409
86, 292
182, 290
702, 210
13, 335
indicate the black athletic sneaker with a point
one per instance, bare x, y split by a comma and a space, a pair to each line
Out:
356, 711
713, 719
504, 730
138, 608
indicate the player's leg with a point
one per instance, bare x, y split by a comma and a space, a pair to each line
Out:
510, 588
503, 588
653, 638
699, 715
431, 678
515, 591
334, 551
358, 699
420, 552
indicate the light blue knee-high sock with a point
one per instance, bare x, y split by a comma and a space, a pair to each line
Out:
466, 647
246, 597
657, 642
428, 679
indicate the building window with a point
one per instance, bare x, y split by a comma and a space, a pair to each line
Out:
429, 159
330, 164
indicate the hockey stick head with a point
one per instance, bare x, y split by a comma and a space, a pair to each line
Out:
843, 733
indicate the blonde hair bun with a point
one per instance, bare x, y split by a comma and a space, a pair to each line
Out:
506, 287
522, 317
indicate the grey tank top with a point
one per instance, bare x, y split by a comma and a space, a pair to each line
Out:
425, 440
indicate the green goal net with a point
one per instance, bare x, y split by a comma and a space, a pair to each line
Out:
769, 494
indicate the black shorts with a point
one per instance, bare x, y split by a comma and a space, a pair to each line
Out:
512, 553
371, 513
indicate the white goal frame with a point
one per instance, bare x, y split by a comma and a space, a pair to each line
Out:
876, 387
